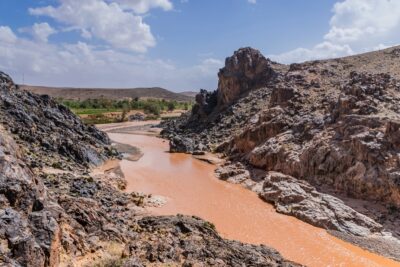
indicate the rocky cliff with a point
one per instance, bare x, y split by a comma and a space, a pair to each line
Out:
55, 211
316, 139
246, 70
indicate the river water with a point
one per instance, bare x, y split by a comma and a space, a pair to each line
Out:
191, 188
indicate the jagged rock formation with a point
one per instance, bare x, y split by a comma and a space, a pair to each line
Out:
300, 199
193, 242
55, 212
40, 122
29, 232
333, 123
246, 70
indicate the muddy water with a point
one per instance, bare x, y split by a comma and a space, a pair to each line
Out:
192, 189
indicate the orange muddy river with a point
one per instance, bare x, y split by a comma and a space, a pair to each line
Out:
191, 188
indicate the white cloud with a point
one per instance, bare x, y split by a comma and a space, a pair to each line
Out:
40, 31
365, 22
86, 34
95, 65
84, 65
143, 6
356, 26
208, 66
252, 1
7, 35
320, 51
106, 21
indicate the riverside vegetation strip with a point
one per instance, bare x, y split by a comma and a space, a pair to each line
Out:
101, 110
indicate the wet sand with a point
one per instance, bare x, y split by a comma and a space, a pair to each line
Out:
192, 189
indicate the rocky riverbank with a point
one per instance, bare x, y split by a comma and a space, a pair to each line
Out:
312, 138
56, 210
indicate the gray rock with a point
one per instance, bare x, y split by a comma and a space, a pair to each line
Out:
298, 198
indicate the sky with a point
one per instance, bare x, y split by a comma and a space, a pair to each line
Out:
179, 44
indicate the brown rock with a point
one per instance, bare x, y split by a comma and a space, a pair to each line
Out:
246, 70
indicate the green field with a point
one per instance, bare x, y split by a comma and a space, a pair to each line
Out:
93, 111
96, 111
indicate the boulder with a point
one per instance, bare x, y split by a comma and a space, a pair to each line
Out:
137, 117
181, 145
298, 198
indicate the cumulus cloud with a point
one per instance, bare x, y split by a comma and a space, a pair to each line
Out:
320, 51
40, 31
365, 22
106, 21
90, 63
143, 6
356, 26
7, 35
84, 65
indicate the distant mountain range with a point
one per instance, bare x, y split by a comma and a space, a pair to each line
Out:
109, 93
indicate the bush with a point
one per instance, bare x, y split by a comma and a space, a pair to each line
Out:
171, 106
152, 108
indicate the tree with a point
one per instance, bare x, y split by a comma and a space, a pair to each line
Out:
125, 111
152, 108
171, 106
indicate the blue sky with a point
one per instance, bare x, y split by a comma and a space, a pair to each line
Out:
179, 44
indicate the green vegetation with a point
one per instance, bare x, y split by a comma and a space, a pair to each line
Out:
97, 106
209, 225
99, 111
91, 111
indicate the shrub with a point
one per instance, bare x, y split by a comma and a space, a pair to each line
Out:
152, 108
171, 106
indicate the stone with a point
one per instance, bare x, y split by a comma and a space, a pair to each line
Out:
298, 198
137, 117
181, 145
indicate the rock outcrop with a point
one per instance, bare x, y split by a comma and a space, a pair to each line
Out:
29, 232
333, 124
191, 241
40, 122
246, 70
298, 198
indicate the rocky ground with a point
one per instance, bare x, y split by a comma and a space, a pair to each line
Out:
57, 210
319, 139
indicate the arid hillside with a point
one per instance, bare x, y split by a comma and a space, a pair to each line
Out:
320, 140
107, 93
190, 93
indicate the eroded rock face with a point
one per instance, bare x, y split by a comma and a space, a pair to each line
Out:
28, 226
206, 102
190, 241
34, 227
331, 123
40, 121
246, 70
298, 198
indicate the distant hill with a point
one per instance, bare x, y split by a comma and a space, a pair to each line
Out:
189, 93
111, 93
